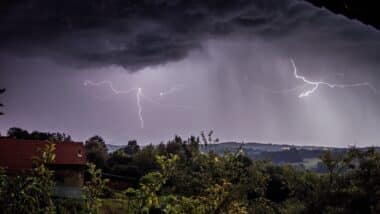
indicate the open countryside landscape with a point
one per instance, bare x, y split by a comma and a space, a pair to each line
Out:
193, 175
193, 107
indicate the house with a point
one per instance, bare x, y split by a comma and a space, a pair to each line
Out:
69, 164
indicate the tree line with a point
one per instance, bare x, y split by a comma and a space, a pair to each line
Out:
22, 134
177, 177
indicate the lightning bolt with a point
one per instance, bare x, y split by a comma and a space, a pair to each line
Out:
110, 85
316, 84
138, 98
280, 91
287, 90
139, 94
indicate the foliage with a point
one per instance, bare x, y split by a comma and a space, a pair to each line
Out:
132, 147
69, 206
96, 151
146, 198
94, 189
207, 140
30, 192
21, 134
3, 182
178, 178
232, 183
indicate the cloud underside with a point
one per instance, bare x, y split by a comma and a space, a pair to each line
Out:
135, 34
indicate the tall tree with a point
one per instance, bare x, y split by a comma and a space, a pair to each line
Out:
96, 151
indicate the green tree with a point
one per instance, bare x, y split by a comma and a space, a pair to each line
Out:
96, 151
132, 147
146, 198
145, 160
30, 192
332, 165
94, 189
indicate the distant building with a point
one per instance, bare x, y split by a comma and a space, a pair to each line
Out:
69, 164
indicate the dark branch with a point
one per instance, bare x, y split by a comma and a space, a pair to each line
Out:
1, 105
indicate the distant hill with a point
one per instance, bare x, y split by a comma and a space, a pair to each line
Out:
111, 148
257, 148
303, 156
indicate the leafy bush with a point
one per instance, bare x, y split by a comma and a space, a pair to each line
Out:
178, 178
30, 192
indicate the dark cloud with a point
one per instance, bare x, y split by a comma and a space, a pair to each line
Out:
232, 57
137, 33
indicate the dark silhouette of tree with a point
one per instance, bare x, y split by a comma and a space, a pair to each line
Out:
1, 105
59, 137
132, 147
96, 151
18, 133
145, 160
21, 134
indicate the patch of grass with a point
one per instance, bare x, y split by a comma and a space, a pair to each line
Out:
114, 206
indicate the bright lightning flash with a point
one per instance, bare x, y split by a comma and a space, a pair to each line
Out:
316, 84
110, 85
138, 97
139, 94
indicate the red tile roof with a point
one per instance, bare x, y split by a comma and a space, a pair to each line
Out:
18, 154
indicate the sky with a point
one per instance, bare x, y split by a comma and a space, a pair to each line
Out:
200, 65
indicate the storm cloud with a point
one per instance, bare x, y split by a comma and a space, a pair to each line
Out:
229, 60
135, 34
